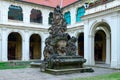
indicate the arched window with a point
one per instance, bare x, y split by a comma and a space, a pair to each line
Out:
36, 16
67, 17
80, 13
15, 13
50, 17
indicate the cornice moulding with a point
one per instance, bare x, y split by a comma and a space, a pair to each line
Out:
22, 28
103, 12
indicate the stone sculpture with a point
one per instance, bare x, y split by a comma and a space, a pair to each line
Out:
60, 48
57, 42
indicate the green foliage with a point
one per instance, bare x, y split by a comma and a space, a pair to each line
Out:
14, 65
113, 76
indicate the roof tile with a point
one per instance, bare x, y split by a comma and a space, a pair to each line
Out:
51, 3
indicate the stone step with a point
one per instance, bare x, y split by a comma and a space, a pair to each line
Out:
35, 64
68, 71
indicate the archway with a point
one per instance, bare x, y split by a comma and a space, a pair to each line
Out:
81, 44
101, 29
14, 46
35, 46
100, 46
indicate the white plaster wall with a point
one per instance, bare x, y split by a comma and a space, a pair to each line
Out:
25, 28
112, 19
89, 38
26, 7
45, 12
73, 11
103, 7
4, 44
25, 35
115, 23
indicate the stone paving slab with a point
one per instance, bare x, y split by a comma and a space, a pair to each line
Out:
35, 74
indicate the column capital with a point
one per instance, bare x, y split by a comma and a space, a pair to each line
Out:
107, 37
91, 36
4, 29
26, 31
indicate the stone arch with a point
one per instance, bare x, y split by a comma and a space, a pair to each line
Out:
96, 23
17, 31
78, 32
14, 46
35, 46
77, 36
103, 26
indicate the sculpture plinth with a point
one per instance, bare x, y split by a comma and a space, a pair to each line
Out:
60, 48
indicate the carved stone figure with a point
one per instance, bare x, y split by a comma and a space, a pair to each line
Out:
71, 47
58, 38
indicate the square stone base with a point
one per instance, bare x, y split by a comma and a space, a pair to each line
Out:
68, 71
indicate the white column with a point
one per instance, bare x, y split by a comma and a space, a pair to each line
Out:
25, 47
118, 39
45, 16
26, 14
115, 27
108, 48
4, 45
42, 49
88, 45
91, 50
43, 38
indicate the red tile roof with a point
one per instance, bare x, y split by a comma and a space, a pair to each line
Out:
51, 3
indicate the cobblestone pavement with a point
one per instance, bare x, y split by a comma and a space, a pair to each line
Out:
35, 74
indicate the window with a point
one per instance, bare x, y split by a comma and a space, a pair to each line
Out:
67, 17
50, 17
36, 16
80, 13
15, 13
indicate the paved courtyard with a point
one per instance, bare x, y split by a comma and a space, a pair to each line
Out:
35, 74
